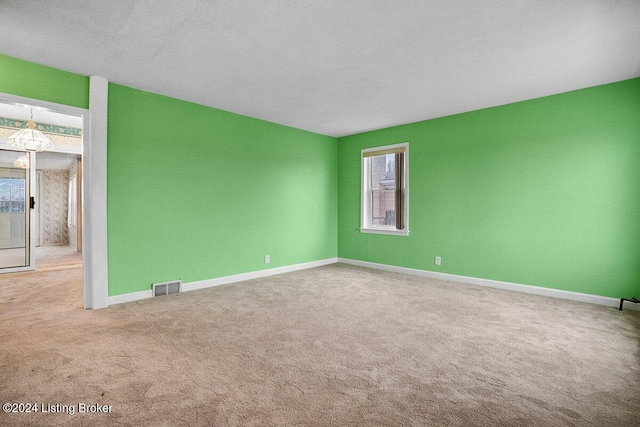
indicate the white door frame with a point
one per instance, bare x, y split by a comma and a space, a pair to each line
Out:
94, 177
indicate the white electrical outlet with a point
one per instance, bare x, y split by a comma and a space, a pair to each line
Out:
267, 259
438, 260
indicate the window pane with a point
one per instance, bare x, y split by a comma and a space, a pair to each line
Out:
383, 209
17, 207
17, 194
383, 172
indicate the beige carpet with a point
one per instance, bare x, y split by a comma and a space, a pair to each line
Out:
47, 257
337, 345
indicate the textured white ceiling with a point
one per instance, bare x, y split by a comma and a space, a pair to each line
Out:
334, 67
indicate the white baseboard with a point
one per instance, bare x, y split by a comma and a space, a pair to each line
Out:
133, 296
192, 286
536, 290
203, 284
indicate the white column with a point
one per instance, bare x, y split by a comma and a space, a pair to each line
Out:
94, 196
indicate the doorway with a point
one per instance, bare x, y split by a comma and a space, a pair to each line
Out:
58, 211
94, 176
40, 192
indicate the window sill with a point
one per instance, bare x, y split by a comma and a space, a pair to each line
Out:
389, 231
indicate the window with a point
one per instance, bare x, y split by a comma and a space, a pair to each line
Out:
385, 190
12, 194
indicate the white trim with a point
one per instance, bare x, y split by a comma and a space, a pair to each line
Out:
631, 306
94, 196
130, 297
528, 289
192, 286
385, 231
535, 290
209, 283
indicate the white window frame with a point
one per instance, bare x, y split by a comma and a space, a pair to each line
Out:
366, 203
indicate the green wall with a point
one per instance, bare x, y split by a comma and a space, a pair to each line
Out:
22, 78
543, 192
197, 193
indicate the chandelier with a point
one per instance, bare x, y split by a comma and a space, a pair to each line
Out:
22, 162
30, 139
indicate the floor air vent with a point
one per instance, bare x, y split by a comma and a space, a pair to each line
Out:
167, 288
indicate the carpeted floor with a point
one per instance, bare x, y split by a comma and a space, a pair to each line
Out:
47, 257
62, 256
337, 345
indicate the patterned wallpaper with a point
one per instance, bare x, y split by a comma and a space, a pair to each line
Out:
59, 135
55, 200
42, 127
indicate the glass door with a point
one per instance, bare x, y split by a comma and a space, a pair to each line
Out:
16, 187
